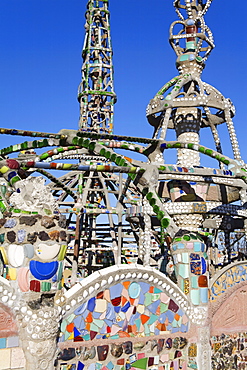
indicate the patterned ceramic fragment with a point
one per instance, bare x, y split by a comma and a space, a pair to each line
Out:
47, 251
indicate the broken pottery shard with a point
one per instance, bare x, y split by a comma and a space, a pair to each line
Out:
43, 236
153, 344
54, 235
127, 346
169, 343
11, 236
102, 352
63, 235
32, 237
88, 353
67, 354
21, 235
116, 350
28, 220
138, 346
62, 222
10, 223
160, 345
47, 222
2, 221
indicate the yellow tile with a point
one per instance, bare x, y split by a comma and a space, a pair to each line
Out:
5, 358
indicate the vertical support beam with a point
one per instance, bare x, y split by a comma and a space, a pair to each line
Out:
76, 250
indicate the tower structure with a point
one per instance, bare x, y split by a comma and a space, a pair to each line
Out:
96, 91
186, 103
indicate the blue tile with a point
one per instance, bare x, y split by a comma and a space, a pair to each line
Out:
110, 365
125, 307
141, 298
162, 318
153, 307
96, 315
144, 287
2, 342
12, 342
170, 315
110, 313
116, 290
85, 313
108, 322
197, 246
81, 309
91, 304
80, 365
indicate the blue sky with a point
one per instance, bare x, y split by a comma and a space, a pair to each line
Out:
40, 61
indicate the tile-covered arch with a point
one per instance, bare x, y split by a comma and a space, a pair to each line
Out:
128, 306
226, 280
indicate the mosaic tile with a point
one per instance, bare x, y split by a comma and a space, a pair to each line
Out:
228, 279
123, 315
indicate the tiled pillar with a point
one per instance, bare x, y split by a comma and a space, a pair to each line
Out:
191, 267
38, 336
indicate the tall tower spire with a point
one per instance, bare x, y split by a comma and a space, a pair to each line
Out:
186, 103
96, 92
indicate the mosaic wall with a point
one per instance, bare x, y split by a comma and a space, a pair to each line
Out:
126, 309
162, 354
228, 279
32, 250
229, 351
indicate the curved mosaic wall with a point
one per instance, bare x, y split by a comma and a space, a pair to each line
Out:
228, 279
126, 309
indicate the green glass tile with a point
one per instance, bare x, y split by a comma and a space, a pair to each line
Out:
155, 297
156, 291
63, 326
140, 364
146, 329
195, 297
94, 327
174, 324
70, 318
138, 323
163, 307
116, 336
99, 323
152, 319
185, 257
183, 270
148, 299
194, 282
66, 335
